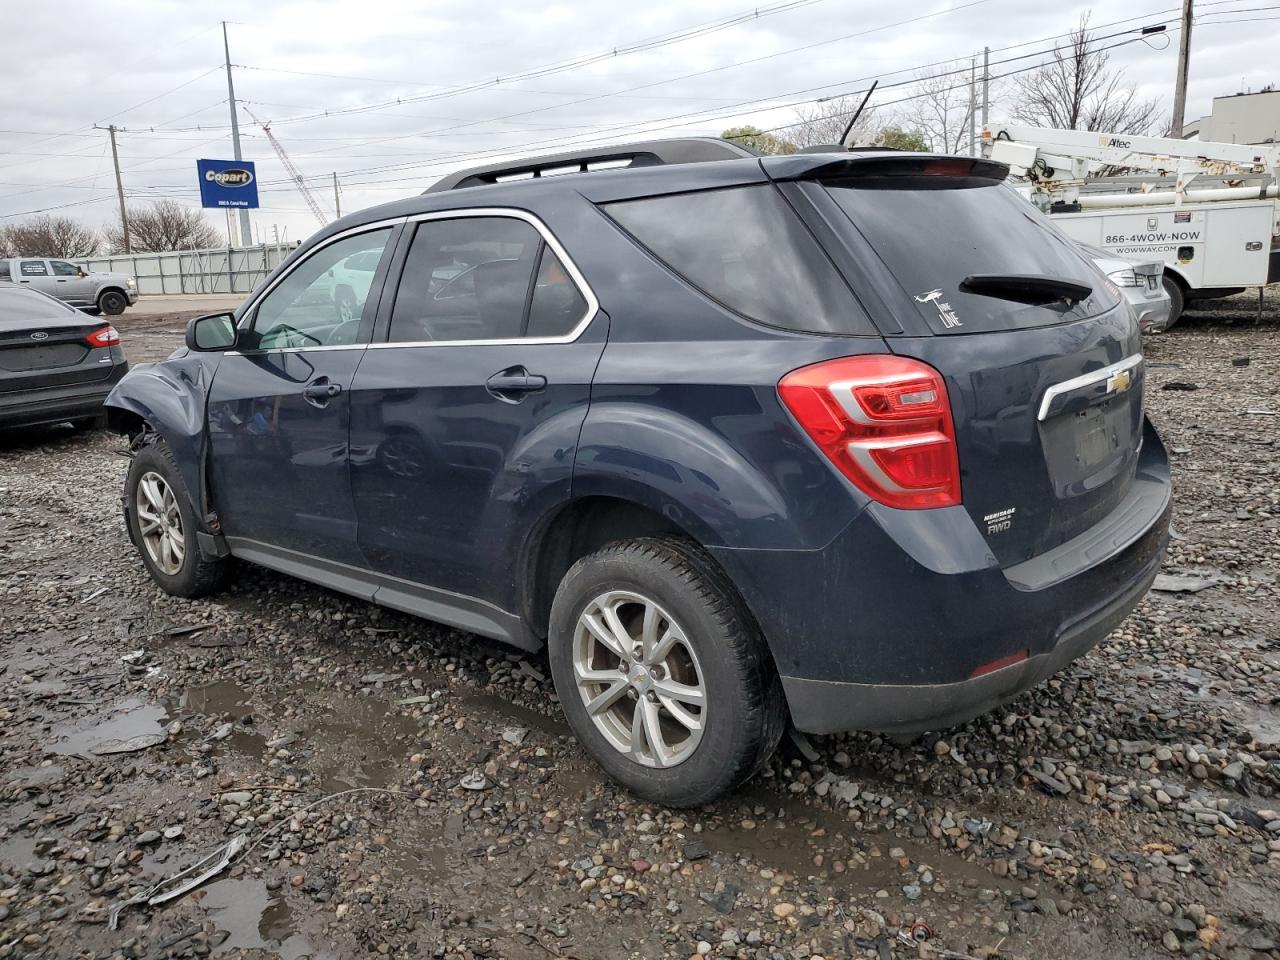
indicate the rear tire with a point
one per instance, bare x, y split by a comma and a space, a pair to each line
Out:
1177, 299
158, 508
113, 303
700, 681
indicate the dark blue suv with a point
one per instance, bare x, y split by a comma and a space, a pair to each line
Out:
853, 439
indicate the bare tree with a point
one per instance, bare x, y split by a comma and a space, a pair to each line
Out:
1078, 90
940, 109
165, 225
48, 236
824, 122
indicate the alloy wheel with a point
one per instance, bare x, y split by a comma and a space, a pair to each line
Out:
160, 523
639, 678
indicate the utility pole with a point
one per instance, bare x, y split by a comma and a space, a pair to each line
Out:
246, 237
986, 85
115, 161
337, 203
1184, 67
973, 106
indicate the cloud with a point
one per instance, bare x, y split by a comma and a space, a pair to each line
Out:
150, 67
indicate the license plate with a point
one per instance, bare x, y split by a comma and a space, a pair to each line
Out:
1094, 436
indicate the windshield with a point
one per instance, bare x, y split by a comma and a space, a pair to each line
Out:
933, 233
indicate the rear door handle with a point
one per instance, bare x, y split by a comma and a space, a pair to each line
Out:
320, 391
515, 380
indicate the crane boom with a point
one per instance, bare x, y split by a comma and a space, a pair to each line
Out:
1071, 164
293, 171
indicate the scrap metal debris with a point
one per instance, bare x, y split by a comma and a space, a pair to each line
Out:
184, 881
143, 741
187, 879
1169, 583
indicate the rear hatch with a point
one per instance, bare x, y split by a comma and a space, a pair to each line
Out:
1039, 351
44, 343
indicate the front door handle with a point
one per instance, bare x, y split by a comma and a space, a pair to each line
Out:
515, 380
320, 391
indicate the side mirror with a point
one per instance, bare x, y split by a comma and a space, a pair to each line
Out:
212, 334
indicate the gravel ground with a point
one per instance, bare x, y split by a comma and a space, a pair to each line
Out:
1127, 808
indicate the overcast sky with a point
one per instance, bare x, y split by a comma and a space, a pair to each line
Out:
153, 67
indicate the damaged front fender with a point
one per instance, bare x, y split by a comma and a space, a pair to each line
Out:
168, 399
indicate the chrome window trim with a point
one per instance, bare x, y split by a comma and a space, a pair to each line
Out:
1085, 380
510, 213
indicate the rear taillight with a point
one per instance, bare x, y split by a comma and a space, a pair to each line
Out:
885, 422
103, 337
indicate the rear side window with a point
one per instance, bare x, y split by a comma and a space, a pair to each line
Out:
746, 248
34, 268
483, 278
933, 233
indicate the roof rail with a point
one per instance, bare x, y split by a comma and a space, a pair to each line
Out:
651, 153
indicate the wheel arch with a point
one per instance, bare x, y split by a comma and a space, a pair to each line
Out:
578, 528
171, 405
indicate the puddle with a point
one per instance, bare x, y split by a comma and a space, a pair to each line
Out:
215, 699
18, 851
29, 778
255, 919
1263, 723
552, 726
787, 844
94, 736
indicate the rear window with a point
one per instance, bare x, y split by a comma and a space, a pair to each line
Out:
745, 248
931, 237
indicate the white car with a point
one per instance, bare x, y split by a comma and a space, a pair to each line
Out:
1142, 283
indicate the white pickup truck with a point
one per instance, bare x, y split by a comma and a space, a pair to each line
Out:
108, 293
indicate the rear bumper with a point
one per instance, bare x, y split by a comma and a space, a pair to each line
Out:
1152, 315
30, 408
823, 706
894, 624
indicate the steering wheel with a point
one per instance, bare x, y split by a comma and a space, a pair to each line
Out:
344, 333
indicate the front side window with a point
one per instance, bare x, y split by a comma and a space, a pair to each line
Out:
63, 269
746, 248
483, 278
34, 268
324, 301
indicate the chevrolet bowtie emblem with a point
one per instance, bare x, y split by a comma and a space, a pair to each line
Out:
1118, 382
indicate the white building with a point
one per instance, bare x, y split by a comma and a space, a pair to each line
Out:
1240, 118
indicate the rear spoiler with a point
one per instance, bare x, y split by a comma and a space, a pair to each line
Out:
840, 166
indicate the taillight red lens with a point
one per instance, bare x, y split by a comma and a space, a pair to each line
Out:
885, 422
103, 337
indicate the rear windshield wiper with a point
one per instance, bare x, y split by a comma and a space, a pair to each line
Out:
1025, 287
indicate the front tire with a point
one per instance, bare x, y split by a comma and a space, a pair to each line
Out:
162, 524
662, 673
112, 303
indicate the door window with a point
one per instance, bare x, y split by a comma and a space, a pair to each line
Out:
325, 300
483, 278
34, 268
63, 269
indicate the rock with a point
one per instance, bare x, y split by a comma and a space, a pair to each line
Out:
1170, 941
147, 838
238, 797
783, 910
695, 850
911, 891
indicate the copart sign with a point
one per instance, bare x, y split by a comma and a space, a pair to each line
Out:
228, 183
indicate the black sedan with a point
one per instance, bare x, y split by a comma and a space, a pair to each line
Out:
56, 363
